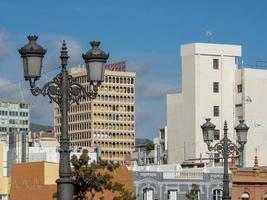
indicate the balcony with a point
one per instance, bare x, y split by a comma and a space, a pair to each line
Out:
183, 175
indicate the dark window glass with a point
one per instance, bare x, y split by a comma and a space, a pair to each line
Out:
217, 194
215, 87
215, 63
216, 111
239, 88
216, 134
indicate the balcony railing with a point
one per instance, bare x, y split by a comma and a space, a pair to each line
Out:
183, 175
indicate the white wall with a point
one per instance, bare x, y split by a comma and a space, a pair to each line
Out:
197, 99
255, 114
206, 98
51, 154
173, 117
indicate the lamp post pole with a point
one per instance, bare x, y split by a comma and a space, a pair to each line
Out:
64, 91
226, 179
225, 147
65, 184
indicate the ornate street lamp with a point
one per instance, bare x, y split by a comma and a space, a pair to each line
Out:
225, 147
241, 132
64, 91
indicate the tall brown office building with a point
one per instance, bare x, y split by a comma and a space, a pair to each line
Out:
108, 122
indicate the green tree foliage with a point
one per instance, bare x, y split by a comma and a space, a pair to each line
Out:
150, 147
94, 178
193, 193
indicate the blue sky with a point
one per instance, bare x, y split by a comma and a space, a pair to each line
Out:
145, 33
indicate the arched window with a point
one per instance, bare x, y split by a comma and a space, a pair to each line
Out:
148, 194
265, 196
245, 196
217, 194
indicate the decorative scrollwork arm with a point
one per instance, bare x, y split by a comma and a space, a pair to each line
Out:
231, 148
76, 91
50, 89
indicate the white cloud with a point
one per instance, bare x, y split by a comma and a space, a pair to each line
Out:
8, 89
54, 44
74, 49
155, 91
5, 48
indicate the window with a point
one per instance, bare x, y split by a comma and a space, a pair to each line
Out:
239, 88
13, 106
245, 196
215, 87
215, 63
172, 195
2, 129
148, 194
216, 157
265, 196
239, 111
216, 134
217, 194
25, 106
13, 121
13, 113
3, 105
216, 111
162, 134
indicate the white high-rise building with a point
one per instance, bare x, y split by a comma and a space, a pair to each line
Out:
213, 86
14, 116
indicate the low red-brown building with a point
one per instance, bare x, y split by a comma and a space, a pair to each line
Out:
36, 180
123, 176
249, 183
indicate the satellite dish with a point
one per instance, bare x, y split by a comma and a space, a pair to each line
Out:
248, 99
256, 124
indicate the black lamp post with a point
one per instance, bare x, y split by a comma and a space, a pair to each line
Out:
64, 91
225, 147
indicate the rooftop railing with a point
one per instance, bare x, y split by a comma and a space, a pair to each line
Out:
183, 175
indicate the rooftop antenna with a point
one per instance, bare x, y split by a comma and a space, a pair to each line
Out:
257, 151
209, 35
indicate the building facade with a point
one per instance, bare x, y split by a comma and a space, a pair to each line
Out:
107, 122
4, 179
152, 153
14, 116
37, 180
171, 182
214, 86
249, 183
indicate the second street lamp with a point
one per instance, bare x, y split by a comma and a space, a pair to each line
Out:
225, 147
64, 91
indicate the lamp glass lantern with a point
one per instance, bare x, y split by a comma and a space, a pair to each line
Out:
242, 132
32, 55
208, 131
95, 60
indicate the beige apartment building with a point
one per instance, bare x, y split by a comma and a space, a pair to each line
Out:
107, 122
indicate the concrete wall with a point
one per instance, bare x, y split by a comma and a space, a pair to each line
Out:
255, 113
161, 183
197, 99
37, 180
4, 180
173, 110
206, 98
31, 181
